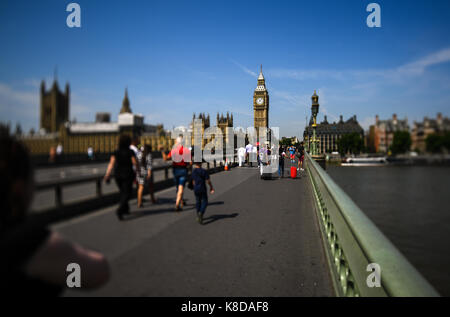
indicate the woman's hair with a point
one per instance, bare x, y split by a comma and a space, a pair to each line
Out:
124, 142
15, 165
147, 151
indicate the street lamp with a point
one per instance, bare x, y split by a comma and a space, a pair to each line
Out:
314, 112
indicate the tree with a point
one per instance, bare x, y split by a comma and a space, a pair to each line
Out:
437, 143
446, 141
401, 142
4, 129
286, 141
350, 143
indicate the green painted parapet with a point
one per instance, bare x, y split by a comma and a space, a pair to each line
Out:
352, 242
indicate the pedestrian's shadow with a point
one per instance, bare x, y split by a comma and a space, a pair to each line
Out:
162, 200
215, 203
135, 214
143, 213
213, 218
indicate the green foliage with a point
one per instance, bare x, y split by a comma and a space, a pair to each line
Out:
4, 129
437, 143
350, 143
287, 141
401, 142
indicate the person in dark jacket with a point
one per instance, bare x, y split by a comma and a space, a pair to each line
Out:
122, 161
200, 177
281, 159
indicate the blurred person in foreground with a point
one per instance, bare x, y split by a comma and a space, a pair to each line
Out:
124, 163
35, 259
181, 158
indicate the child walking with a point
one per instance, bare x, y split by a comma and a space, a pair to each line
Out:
199, 178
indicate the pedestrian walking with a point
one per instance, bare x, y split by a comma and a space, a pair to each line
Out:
248, 151
34, 258
281, 159
123, 160
301, 156
145, 178
200, 177
90, 153
292, 153
241, 156
59, 153
134, 145
181, 160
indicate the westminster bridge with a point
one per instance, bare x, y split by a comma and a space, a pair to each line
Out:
280, 237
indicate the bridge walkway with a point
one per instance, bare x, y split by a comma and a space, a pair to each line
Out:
260, 238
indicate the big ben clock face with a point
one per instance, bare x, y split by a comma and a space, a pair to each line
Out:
260, 101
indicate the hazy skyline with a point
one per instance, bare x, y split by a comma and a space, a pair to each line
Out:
181, 57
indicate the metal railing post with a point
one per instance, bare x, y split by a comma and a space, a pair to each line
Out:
58, 195
99, 187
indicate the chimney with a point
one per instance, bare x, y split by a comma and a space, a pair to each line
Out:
394, 117
377, 118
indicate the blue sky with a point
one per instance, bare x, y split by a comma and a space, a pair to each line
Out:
181, 57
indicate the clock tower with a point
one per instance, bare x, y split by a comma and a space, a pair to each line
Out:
261, 104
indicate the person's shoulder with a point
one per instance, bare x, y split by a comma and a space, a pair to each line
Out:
199, 172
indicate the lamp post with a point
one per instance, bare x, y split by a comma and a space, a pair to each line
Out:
315, 142
314, 112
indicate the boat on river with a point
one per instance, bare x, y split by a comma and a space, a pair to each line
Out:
364, 161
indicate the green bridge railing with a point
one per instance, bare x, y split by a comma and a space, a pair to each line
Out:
352, 242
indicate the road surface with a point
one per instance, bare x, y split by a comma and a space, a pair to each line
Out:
260, 238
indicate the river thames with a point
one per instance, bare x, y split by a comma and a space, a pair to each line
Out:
411, 206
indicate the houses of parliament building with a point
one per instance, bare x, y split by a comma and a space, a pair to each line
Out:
103, 134
75, 138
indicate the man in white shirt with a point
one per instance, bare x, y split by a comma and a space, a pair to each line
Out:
134, 144
59, 152
90, 153
241, 155
137, 153
248, 150
59, 149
